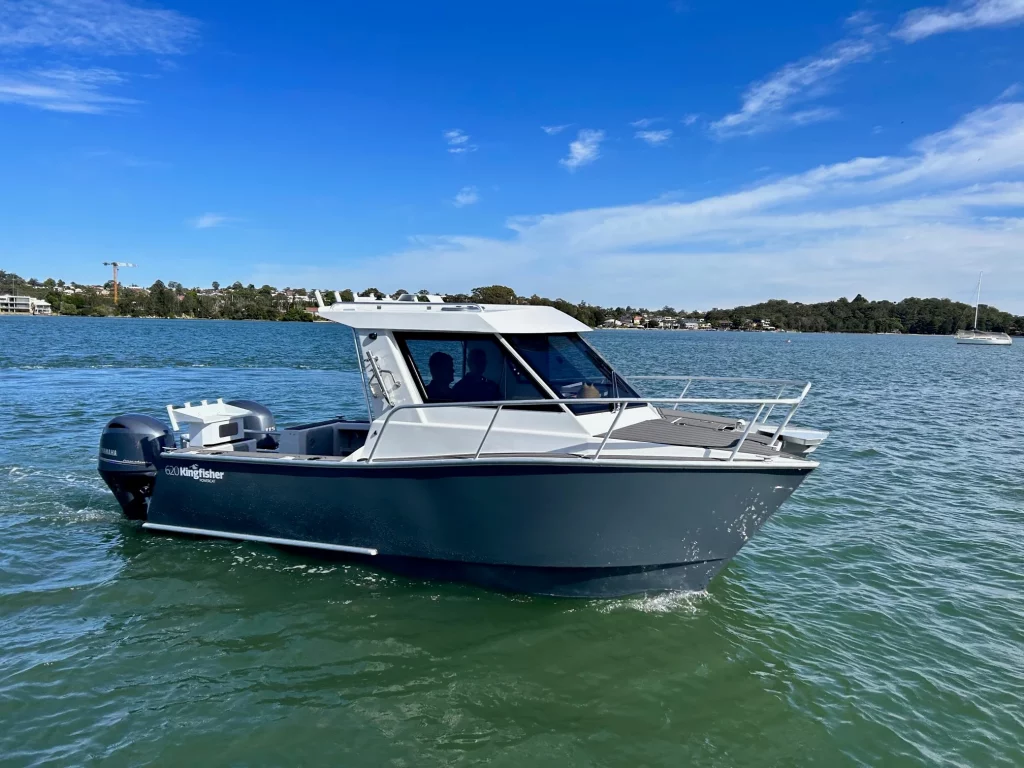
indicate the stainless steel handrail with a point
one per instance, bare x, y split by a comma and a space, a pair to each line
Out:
380, 379
622, 402
734, 379
784, 383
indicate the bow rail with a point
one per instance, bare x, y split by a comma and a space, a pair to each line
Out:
620, 404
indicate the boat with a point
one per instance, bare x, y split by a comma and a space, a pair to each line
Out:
983, 338
498, 448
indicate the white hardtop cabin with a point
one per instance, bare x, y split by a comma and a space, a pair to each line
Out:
426, 364
379, 316
395, 341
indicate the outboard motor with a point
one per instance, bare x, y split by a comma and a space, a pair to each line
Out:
260, 419
128, 446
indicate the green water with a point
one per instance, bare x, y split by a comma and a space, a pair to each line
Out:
878, 619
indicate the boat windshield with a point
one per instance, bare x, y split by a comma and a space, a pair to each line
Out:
466, 368
570, 367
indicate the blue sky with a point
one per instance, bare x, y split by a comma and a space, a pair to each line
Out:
691, 153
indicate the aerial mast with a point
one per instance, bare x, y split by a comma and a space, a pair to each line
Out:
116, 265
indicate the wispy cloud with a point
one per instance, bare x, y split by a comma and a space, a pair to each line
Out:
1010, 92
922, 222
925, 22
466, 196
210, 220
585, 150
645, 122
105, 27
552, 130
74, 30
458, 141
64, 89
654, 138
766, 103
690, 119
814, 115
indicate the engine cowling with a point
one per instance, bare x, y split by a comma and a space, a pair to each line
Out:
260, 420
128, 447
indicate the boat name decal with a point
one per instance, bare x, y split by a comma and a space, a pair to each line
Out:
195, 472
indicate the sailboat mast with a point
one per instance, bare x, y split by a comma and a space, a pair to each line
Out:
977, 302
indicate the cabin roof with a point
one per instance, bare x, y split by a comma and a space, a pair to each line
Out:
454, 318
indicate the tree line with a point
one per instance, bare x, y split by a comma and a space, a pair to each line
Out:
247, 302
912, 315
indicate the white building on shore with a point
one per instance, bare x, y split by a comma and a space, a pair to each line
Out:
23, 305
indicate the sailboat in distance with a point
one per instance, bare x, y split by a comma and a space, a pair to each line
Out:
986, 338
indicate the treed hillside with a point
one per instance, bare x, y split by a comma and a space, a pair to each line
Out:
936, 316
939, 316
239, 302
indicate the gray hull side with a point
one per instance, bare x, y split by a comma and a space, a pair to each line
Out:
565, 529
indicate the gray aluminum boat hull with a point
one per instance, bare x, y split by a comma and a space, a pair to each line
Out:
559, 528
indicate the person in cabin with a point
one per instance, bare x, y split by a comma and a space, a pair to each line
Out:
475, 386
442, 374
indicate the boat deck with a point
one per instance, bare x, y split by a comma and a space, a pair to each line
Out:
695, 430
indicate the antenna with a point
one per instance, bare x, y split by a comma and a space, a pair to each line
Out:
116, 265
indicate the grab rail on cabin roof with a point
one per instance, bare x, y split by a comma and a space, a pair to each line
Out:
622, 404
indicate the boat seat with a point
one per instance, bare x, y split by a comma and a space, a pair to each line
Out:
694, 435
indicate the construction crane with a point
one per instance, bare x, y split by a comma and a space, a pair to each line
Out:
116, 265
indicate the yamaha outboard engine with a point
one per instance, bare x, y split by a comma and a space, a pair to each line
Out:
127, 449
260, 419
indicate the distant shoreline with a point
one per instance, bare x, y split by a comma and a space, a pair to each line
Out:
911, 315
321, 321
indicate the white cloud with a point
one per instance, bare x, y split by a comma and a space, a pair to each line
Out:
76, 29
765, 103
458, 142
859, 20
210, 220
920, 223
690, 119
466, 196
925, 22
64, 89
1010, 92
93, 26
645, 122
585, 150
552, 130
814, 115
654, 138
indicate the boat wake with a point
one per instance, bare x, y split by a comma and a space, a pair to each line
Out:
665, 602
16, 474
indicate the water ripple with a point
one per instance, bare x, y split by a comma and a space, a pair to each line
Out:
878, 619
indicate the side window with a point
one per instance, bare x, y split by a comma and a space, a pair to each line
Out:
438, 364
465, 368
